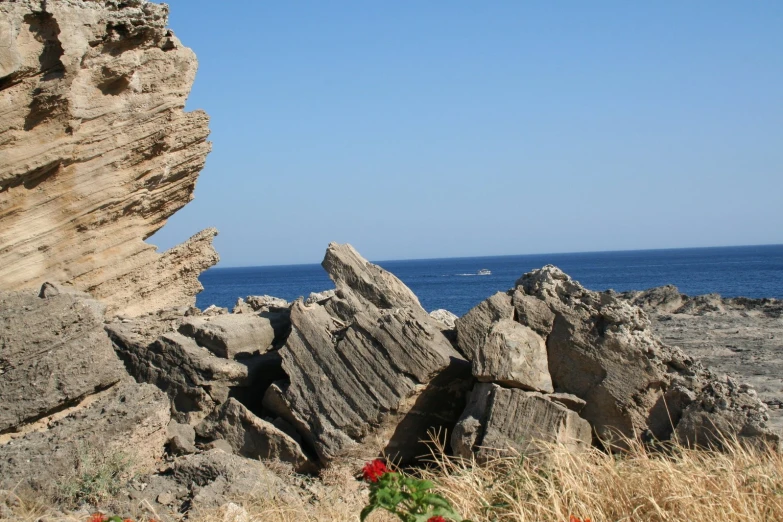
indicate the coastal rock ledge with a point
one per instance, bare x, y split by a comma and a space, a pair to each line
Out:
96, 152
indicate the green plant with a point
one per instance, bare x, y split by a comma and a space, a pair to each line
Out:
409, 498
95, 476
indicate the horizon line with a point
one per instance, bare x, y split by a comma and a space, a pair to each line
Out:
512, 255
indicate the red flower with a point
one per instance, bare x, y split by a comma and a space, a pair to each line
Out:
98, 517
374, 470
436, 519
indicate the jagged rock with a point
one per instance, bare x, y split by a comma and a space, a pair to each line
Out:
603, 350
500, 421
193, 377
128, 419
260, 303
473, 327
181, 438
241, 307
570, 401
533, 312
53, 353
502, 350
724, 411
513, 355
96, 152
231, 335
445, 317
251, 436
367, 368
664, 298
349, 270
317, 297
213, 310
200, 483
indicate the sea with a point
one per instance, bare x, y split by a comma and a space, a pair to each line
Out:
455, 284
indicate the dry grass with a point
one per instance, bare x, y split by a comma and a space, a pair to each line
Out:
678, 485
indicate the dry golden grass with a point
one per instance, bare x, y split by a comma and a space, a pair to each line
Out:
676, 485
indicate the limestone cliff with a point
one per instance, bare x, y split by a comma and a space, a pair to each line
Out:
96, 151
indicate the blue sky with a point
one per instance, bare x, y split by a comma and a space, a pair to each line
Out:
442, 129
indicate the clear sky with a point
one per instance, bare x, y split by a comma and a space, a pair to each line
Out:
467, 128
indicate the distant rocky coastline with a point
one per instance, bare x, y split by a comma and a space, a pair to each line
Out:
102, 351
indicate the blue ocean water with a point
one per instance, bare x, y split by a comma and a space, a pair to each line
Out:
453, 284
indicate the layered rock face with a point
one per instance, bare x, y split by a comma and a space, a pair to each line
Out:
64, 394
368, 369
602, 352
96, 151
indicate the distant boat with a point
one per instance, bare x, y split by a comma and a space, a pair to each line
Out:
484, 271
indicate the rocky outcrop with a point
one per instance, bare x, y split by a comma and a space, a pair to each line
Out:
253, 437
604, 351
231, 335
368, 369
96, 152
128, 420
53, 353
500, 421
195, 379
738, 336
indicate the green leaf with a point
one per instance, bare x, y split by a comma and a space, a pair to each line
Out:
366, 512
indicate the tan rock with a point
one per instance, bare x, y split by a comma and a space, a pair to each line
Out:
96, 152
500, 421
53, 353
251, 436
513, 355
368, 369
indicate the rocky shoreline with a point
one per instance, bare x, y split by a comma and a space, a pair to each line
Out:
106, 363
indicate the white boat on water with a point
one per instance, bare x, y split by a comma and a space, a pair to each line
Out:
484, 271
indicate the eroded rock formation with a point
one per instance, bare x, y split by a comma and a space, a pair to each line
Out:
96, 152
603, 351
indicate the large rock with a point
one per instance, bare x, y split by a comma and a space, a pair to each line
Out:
251, 436
53, 353
195, 379
96, 152
603, 350
500, 421
129, 419
501, 349
368, 368
232, 334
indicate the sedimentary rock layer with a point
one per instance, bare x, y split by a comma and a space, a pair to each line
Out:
96, 152
53, 352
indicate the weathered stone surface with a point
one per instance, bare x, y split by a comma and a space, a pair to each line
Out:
445, 317
365, 362
199, 482
724, 411
513, 355
603, 350
181, 438
533, 312
260, 303
474, 326
349, 270
53, 352
317, 297
232, 334
251, 436
193, 377
664, 298
129, 418
96, 152
742, 337
500, 421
